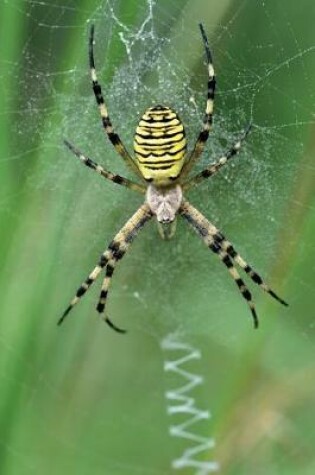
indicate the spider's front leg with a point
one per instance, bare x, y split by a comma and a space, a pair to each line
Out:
215, 240
109, 259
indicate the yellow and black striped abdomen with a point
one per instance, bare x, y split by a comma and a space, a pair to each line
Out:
160, 145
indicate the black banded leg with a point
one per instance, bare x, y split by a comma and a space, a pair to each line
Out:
237, 258
207, 231
84, 287
104, 293
215, 167
114, 252
107, 124
207, 120
227, 261
118, 248
227, 247
214, 239
106, 174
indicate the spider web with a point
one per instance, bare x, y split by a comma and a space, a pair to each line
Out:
80, 399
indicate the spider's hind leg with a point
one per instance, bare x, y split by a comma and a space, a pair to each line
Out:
207, 120
106, 121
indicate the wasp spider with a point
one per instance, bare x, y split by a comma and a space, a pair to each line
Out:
162, 165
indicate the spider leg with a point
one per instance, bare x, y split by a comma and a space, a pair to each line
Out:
215, 167
237, 258
105, 287
84, 287
106, 174
113, 253
227, 261
207, 120
107, 124
205, 229
215, 240
119, 246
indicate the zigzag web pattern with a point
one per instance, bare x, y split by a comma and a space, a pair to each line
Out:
179, 402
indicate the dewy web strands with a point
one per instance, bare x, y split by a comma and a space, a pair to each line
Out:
180, 402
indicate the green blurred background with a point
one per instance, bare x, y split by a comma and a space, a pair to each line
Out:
81, 399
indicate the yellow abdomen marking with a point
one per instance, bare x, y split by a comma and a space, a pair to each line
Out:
160, 145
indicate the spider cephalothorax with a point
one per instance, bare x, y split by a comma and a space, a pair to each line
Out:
164, 203
163, 165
